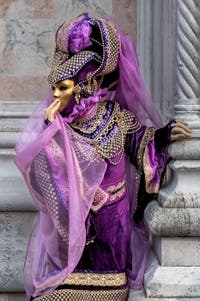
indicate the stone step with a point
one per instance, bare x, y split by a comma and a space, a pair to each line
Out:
171, 282
140, 296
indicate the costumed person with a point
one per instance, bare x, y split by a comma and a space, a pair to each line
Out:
92, 154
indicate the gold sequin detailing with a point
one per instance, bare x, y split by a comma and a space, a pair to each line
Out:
94, 279
148, 135
120, 123
150, 186
47, 189
111, 193
70, 67
114, 188
117, 194
100, 199
113, 47
88, 124
86, 295
116, 191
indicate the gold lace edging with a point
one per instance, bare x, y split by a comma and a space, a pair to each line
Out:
114, 188
89, 123
95, 279
111, 147
150, 186
86, 295
148, 135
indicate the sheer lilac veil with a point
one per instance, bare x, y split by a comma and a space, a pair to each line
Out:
62, 176
132, 93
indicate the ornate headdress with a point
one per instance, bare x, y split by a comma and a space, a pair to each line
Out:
87, 49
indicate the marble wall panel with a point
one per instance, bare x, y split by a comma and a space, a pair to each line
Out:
26, 47
72, 8
26, 9
27, 31
124, 12
13, 88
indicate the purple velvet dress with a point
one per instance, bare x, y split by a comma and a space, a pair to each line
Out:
106, 263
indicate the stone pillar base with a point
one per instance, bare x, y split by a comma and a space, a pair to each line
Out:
12, 297
177, 251
171, 282
140, 296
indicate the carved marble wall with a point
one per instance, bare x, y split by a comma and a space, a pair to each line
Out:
27, 30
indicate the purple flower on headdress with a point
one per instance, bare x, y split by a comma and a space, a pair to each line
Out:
79, 36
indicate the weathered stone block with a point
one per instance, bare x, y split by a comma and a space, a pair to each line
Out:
14, 194
177, 251
67, 10
15, 228
164, 221
12, 297
26, 9
140, 296
14, 88
171, 282
125, 11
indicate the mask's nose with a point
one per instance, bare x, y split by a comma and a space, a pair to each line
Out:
56, 93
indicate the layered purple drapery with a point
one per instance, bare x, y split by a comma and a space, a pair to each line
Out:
60, 171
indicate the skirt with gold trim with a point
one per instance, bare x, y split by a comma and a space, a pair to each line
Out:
90, 287
86, 295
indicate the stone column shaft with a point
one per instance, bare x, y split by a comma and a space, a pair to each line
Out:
174, 219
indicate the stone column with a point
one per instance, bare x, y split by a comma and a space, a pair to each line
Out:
174, 219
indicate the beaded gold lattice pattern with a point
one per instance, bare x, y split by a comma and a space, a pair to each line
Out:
94, 279
108, 148
86, 295
90, 123
69, 68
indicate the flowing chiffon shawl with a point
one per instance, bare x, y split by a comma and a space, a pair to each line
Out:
54, 156
62, 176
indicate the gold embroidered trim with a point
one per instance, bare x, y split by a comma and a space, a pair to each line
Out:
117, 194
100, 199
148, 135
89, 123
95, 279
148, 172
86, 295
130, 124
111, 193
109, 147
114, 188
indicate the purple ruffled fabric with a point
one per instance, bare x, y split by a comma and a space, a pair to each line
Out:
86, 103
79, 36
